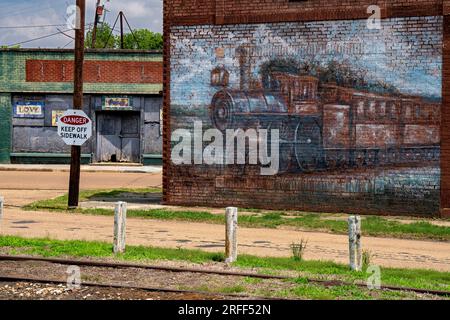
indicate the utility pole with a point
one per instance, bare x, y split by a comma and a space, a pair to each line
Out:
94, 31
74, 183
121, 30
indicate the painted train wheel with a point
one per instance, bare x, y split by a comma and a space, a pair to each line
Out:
285, 148
222, 110
307, 145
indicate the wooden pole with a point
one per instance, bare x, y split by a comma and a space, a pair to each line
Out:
231, 216
74, 183
94, 30
354, 237
120, 218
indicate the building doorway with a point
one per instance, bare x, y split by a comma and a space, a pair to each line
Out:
118, 137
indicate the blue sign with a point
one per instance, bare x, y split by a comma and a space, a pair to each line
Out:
29, 109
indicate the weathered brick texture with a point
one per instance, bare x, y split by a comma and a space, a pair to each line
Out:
195, 12
48, 71
445, 121
95, 71
410, 53
5, 126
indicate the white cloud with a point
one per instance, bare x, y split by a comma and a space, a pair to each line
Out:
140, 14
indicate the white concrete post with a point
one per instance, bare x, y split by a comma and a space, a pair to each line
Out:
1, 207
354, 238
120, 217
231, 216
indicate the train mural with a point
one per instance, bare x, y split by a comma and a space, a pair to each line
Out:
327, 126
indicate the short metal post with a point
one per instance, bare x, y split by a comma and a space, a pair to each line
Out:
354, 238
120, 217
231, 216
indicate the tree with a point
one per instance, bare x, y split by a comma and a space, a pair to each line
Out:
104, 38
17, 46
142, 39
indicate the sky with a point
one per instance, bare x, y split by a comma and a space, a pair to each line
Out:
18, 13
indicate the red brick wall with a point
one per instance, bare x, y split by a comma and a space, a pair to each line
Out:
193, 185
445, 118
95, 71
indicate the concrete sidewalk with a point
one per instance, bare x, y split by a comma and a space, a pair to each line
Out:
210, 237
84, 168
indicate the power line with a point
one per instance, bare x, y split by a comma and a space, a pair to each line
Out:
30, 9
30, 27
67, 44
35, 39
129, 27
40, 38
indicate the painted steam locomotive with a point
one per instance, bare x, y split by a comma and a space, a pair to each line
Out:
327, 126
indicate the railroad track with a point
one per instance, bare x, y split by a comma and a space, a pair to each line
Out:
126, 286
87, 263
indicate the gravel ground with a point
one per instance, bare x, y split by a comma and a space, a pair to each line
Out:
144, 277
219, 285
38, 291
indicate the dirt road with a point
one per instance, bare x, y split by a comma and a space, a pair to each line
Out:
20, 188
261, 242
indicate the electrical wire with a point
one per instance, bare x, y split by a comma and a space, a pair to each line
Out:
40, 38
115, 22
20, 12
129, 27
31, 27
67, 44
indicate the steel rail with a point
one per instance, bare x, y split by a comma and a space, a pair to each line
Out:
88, 263
327, 283
134, 287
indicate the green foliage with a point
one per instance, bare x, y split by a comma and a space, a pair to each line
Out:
103, 39
372, 225
298, 249
366, 259
140, 39
326, 270
10, 47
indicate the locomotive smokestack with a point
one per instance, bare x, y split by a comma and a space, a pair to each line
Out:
244, 67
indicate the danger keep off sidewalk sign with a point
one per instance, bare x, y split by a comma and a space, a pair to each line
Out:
74, 127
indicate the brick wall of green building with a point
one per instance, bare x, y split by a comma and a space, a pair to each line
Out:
13, 81
13, 73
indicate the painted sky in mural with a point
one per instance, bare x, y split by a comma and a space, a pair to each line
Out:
396, 55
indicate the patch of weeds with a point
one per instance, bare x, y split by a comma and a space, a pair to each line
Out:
232, 289
251, 280
218, 257
298, 249
366, 259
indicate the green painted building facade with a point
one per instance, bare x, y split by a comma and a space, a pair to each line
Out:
31, 140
